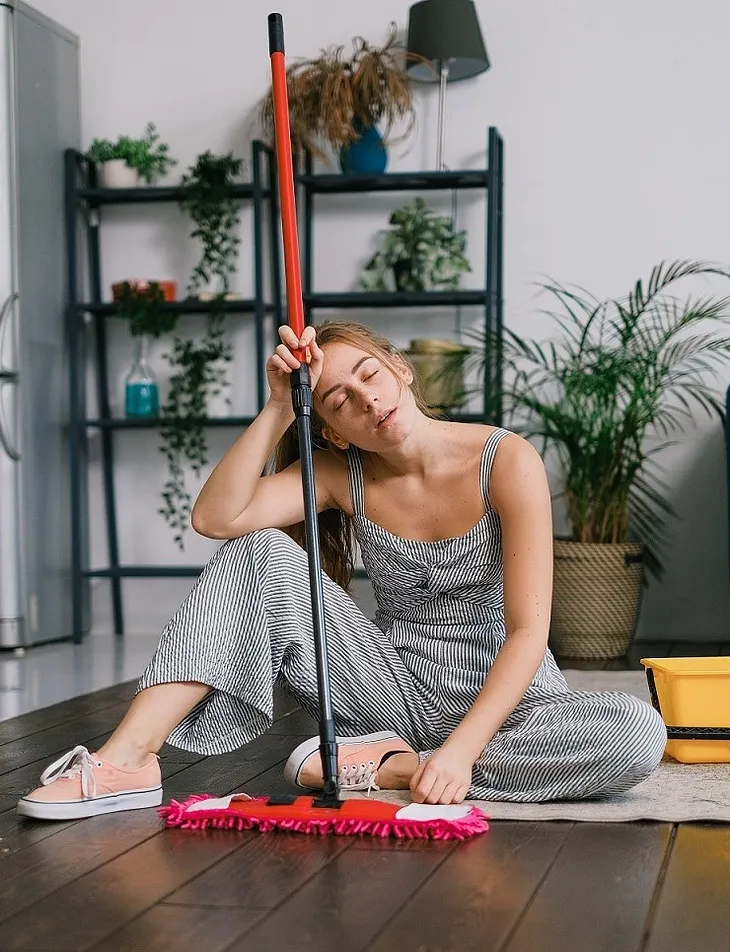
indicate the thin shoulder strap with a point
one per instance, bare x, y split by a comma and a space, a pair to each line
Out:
488, 454
355, 478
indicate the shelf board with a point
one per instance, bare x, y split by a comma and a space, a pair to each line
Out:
394, 299
151, 193
393, 182
145, 571
149, 423
465, 418
191, 306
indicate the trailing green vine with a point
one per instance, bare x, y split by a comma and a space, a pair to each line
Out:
207, 200
198, 367
197, 374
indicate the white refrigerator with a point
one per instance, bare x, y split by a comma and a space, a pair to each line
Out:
39, 119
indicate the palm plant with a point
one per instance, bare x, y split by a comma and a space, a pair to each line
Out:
624, 374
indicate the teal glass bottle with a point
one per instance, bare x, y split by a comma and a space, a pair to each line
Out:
141, 393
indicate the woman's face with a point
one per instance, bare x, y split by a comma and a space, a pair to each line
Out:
361, 401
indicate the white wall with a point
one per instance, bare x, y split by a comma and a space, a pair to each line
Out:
614, 117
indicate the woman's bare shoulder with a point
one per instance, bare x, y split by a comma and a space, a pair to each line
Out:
518, 471
473, 436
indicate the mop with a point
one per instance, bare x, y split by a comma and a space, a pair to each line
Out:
325, 813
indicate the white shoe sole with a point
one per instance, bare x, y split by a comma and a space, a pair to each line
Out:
94, 806
298, 756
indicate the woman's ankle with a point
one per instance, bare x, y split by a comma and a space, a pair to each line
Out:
152, 714
128, 757
396, 772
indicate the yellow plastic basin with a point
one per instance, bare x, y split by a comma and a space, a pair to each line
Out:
694, 692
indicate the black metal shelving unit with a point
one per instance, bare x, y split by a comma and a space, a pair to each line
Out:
490, 180
84, 204
84, 200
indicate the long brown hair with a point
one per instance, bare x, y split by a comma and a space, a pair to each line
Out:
336, 533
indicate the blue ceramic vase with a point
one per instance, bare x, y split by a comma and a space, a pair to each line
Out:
367, 155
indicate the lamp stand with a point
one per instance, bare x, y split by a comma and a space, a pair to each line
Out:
443, 80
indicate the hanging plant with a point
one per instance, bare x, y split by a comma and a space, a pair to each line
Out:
216, 215
198, 367
198, 374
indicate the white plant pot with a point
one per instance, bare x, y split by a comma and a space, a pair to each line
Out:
117, 174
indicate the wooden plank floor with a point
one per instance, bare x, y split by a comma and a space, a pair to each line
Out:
123, 883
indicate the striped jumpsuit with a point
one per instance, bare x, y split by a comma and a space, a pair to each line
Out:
416, 670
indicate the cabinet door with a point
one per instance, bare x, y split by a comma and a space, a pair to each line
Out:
11, 598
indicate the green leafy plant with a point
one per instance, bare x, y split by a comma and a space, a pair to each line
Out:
148, 155
198, 367
208, 201
622, 376
330, 95
142, 307
198, 374
421, 252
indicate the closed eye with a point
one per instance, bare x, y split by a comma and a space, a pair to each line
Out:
369, 376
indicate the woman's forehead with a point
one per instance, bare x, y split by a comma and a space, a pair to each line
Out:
341, 357
341, 349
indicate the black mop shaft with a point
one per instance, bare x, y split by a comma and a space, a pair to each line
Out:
302, 401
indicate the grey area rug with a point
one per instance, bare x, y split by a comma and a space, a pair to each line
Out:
674, 793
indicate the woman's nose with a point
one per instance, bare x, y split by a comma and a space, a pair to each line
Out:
369, 398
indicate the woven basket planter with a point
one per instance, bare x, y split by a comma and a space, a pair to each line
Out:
597, 592
439, 367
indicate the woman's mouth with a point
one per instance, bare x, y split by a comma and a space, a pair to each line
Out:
384, 417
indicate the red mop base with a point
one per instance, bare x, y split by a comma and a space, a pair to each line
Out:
354, 817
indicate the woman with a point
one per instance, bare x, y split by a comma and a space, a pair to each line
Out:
452, 692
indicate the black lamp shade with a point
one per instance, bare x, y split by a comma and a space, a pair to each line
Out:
445, 32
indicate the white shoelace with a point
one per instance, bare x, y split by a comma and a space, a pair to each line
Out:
359, 777
75, 762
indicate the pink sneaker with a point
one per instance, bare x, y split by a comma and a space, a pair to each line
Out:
78, 785
358, 759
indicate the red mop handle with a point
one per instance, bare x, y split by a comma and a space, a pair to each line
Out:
295, 305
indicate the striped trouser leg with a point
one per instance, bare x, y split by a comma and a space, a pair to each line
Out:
248, 622
575, 746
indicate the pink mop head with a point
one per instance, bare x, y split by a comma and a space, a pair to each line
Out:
350, 818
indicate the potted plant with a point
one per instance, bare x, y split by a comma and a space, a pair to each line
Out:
138, 301
604, 393
126, 162
340, 100
421, 252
